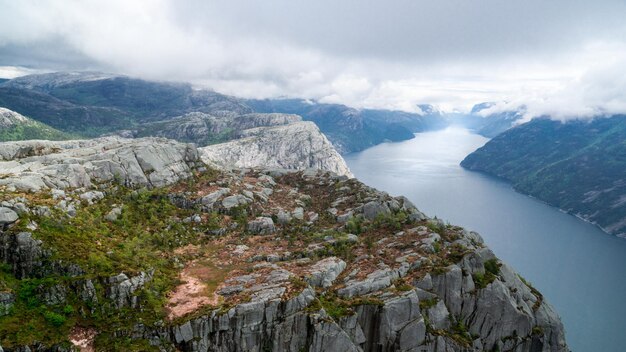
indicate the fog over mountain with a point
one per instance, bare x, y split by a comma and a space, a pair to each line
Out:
562, 58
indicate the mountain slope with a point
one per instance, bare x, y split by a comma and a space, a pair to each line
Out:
14, 127
135, 245
490, 124
94, 103
578, 166
350, 129
204, 129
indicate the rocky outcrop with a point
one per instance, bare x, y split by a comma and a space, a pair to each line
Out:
294, 146
39, 165
246, 260
10, 118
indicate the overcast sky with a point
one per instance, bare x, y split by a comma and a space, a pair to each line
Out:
564, 57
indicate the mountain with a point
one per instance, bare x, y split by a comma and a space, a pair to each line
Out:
136, 245
298, 145
488, 125
350, 129
94, 103
578, 166
14, 127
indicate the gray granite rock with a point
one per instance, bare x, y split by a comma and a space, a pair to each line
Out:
298, 145
324, 272
113, 214
261, 226
38, 165
7, 216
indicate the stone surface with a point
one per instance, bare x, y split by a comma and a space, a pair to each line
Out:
324, 272
39, 165
261, 226
7, 216
298, 145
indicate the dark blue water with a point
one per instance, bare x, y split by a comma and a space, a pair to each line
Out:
579, 269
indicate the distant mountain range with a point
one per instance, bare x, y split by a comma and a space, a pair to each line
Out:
352, 129
487, 124
578, 166
90, 104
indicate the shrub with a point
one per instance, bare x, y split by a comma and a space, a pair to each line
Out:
54, 318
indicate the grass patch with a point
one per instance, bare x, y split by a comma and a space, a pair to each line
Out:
492, 270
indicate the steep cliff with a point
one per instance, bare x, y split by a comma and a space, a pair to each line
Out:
578, 166
298, 146
137, 246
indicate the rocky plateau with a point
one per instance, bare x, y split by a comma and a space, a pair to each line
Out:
136, 244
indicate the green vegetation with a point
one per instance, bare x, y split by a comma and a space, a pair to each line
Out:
393, 221
337, 307
93, 107
428, 303
492, 270
32, 130
402, 285
355, 225
142, 239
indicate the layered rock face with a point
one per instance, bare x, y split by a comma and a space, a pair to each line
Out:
242, 260
298, 145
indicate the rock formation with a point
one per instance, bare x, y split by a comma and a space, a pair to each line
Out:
38, 165
135, 245
298, 146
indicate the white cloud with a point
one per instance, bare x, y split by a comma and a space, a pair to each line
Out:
565, 58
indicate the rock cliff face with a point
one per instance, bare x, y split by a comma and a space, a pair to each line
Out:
240, 260
298, 146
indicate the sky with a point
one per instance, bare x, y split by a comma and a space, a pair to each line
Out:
565, 58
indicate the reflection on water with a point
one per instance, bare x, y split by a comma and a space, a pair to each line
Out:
580, 270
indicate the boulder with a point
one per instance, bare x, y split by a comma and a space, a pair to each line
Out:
261, 226
7, 216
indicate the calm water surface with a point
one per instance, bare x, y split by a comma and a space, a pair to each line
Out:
579, 269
